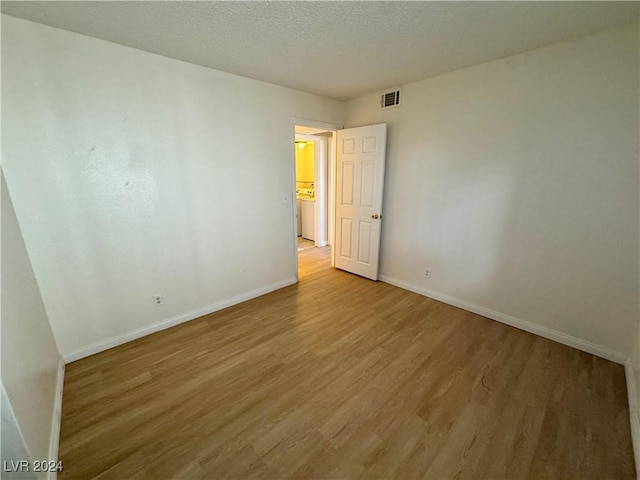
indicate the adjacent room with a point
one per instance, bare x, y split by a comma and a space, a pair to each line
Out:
329, 240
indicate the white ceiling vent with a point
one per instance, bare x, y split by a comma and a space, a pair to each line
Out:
390, 98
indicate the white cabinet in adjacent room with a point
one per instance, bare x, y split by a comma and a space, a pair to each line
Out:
298, 218
307, 213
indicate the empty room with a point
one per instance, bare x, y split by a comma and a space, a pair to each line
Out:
330, 240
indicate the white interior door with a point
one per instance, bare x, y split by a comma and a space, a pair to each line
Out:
359, 181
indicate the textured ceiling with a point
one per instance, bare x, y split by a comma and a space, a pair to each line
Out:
335, 49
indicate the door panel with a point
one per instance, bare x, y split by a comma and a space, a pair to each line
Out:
346, 227
364, 249
366, 184
359, 179
369, 144
347, 185
348, 145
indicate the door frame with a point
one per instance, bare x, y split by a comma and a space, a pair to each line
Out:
329, 181
321, 185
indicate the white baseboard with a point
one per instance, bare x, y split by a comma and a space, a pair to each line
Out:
54, 441
634, 414
170, 322
530, 327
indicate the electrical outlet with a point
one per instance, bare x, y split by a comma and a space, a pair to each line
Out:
427, 273
157, 299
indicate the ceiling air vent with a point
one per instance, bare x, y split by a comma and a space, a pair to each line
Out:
390, 98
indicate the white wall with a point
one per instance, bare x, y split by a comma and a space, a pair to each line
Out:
135, 174
13, 449
516, 182
30, 357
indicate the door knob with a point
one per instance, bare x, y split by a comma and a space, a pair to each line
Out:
375, 215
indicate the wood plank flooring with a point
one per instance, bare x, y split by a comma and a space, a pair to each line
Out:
339, 377
304, 244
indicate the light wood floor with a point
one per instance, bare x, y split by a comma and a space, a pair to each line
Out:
304, 243
340, 377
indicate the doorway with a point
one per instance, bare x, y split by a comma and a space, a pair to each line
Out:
313, 175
